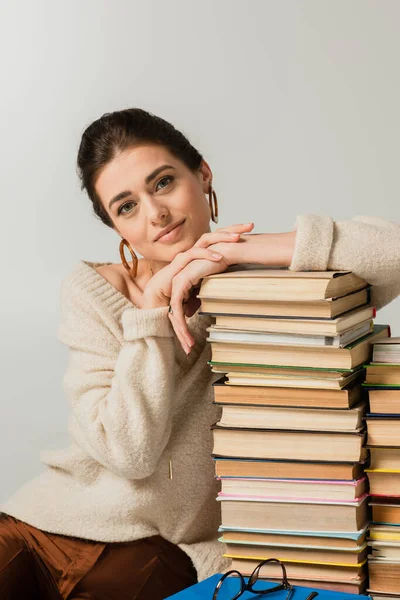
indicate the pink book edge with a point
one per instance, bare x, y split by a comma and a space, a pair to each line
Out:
353, 482
294, 499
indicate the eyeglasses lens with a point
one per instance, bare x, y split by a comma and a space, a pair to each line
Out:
231, 588
262, 586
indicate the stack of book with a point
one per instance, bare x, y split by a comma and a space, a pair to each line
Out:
289, 446
383, 420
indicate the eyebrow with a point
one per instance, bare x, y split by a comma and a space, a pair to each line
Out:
148, 179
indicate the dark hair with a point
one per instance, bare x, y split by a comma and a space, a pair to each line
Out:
113, 133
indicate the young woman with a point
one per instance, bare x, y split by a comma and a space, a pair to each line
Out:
128, 510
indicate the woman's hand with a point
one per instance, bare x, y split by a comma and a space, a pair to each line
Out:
158, 290
269, 249
183, 298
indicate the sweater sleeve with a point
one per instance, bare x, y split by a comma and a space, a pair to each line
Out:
121, 391
368, 246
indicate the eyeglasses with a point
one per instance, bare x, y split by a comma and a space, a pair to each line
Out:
237, 585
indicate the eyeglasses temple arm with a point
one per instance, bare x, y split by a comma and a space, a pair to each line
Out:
290, 593
312, 595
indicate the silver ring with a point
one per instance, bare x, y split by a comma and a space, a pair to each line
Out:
171, 312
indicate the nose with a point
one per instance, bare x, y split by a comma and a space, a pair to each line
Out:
157, 212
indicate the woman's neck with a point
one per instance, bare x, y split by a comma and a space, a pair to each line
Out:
155, 265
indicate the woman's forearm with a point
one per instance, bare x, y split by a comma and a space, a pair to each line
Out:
269, 249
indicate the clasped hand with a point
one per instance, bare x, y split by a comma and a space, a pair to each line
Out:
176, 285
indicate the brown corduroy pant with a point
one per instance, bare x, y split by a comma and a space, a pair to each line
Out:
35, 565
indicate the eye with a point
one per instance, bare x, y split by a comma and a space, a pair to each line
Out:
124, 212
168, 178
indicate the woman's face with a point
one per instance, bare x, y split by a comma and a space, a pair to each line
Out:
145, 198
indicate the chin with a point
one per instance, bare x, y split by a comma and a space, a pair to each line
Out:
169, 255
180, 246
168, 252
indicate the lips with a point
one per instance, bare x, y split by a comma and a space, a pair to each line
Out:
168, 229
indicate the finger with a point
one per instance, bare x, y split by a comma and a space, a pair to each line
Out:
179, 334
240, 228
207, 239
182, 259
180, 293
178, 331
180, 325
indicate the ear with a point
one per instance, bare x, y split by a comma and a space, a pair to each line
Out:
205, 175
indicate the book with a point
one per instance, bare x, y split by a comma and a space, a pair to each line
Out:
303, 356
384, 458
384, 483
205, 589
321, 556
388, 351
384, 575
280, 284
326, 327
321, 309
283, 417
383, 430
284, 371
239, 467
285, 514
381, 373
295, 538
384, 532
295, 379
384, 400
338, 341
355, 586
289, 445
295, 488
284, 381
385, 549
382, 596
385, 513
304, 571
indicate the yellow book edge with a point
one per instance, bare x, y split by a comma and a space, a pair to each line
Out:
302, 562
382, 470
386, 537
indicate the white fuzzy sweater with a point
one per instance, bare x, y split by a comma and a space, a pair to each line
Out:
137, 400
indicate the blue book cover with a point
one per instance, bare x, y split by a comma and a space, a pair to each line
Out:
205, 590
396, 417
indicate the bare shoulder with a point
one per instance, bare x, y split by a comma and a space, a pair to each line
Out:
118, 277
114, 275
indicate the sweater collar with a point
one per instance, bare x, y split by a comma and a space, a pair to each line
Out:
117, 302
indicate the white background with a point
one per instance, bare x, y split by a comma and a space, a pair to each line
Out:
294, 103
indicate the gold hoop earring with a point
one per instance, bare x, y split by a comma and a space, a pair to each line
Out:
132, 272
213, 202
